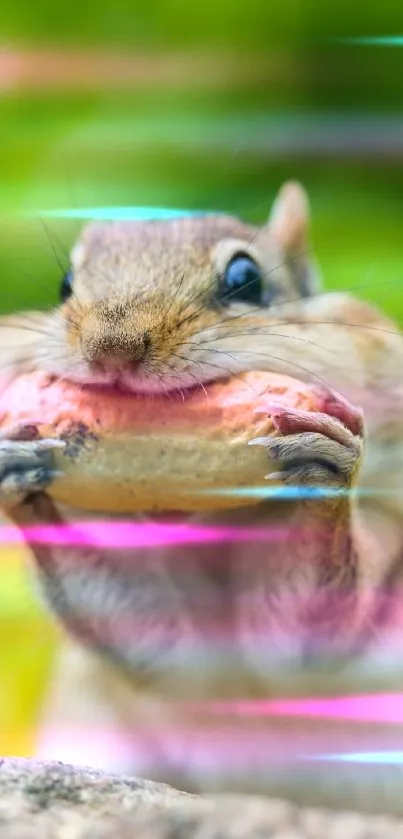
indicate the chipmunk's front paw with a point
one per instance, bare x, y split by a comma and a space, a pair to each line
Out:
316, 448
26, 464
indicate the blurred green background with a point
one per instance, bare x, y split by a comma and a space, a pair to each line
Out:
204, 106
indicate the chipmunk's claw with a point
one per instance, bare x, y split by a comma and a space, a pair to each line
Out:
315, 448
26, 464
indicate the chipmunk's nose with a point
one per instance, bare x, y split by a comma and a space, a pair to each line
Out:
113, 347
116, 364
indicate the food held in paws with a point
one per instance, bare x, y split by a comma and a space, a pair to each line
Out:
132, 452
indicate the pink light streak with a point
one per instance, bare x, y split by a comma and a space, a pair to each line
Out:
58, 68
375, 708
126, 534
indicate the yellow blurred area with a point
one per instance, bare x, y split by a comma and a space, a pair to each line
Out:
27, 643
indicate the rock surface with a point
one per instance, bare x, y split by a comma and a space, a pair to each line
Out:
54, 801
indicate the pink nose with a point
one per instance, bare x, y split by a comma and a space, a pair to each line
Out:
117, 363
113, 353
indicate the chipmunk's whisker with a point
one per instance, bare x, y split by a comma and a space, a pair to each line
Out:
174, 298
198, 381
252, 332
62, 267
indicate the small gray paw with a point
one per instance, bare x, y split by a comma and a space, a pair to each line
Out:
26, 465
314, 448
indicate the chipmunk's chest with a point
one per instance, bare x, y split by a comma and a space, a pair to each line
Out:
207, 602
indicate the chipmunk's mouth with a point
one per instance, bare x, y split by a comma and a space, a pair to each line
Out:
132, 389
136, 383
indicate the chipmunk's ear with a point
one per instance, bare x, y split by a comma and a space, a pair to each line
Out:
290, 217
289, 224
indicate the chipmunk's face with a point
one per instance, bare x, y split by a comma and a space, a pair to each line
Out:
161, 306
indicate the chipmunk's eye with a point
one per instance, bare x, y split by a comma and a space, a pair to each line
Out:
242, 280
66, 288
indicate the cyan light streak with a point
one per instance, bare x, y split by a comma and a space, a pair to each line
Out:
292, 493
375, 41
289, 493
391, 758
120, 213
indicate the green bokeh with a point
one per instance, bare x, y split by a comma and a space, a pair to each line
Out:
204, 146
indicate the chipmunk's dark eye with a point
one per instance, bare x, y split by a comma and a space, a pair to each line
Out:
66, 288
242, 280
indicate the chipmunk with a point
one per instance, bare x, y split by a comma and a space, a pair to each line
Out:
161, 306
